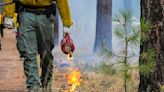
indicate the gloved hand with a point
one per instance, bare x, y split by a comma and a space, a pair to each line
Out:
67, 29
8, 23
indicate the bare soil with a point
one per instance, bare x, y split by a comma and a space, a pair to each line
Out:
11, 69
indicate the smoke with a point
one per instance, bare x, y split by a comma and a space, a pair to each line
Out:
84, 28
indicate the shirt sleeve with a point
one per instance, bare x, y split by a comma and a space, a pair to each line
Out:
64, 10
9, 10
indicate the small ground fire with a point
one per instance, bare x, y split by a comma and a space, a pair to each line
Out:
73, 78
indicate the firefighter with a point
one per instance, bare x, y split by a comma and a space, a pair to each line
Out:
36, 27
1, 29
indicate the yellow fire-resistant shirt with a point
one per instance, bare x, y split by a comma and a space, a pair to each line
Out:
1, 18
64, 11
63, 7
9, 10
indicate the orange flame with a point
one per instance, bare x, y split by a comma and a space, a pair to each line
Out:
74, 79
74, 76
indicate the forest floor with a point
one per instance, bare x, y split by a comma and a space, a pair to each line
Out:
12, 78
11, 69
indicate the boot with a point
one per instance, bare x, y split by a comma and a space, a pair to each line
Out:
34, 89
47, 88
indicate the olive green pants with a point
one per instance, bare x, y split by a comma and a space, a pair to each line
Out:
36, 36
0, 43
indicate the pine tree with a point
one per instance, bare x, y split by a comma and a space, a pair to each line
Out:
129, 34
103, 25
151, 49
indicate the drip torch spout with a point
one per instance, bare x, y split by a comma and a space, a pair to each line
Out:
70, 56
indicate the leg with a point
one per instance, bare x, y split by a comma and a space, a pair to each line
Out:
1, 29
46, 44
27, 46
1, 35
0, 43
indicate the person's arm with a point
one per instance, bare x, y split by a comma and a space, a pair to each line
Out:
64, 10
9, 9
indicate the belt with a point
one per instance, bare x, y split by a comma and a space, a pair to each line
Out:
36, 11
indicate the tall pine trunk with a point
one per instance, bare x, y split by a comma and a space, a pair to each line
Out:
103, 25
153, 11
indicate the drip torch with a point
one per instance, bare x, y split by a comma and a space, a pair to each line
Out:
67, 45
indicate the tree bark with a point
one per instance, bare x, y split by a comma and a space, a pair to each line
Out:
153, 11
103, 25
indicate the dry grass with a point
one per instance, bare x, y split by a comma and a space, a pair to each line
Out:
92, 82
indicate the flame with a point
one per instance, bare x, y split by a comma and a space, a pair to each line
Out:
74, 79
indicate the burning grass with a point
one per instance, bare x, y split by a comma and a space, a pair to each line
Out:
74, 80
91, 77
93, 82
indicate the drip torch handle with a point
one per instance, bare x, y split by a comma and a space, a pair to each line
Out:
66, 30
